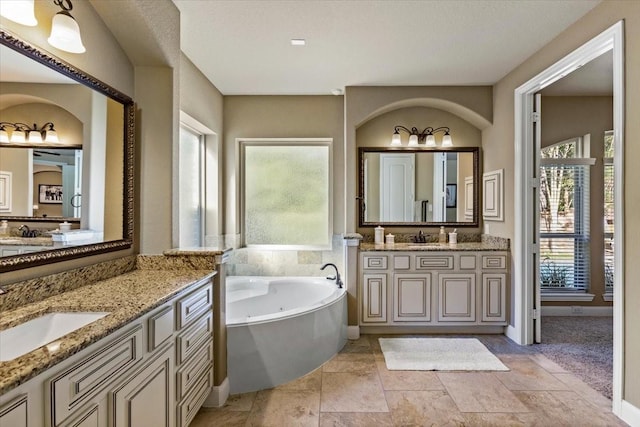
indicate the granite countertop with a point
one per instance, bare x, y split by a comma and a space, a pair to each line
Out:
126, 297
26, 241
435, 247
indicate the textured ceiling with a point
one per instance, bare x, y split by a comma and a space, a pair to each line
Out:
243, 47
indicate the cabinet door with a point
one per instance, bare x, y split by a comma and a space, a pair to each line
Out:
147, 398
494, 300
374, 298
412, 297
14, 413
457, 297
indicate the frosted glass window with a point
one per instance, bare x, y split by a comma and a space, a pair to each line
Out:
190, 188
286, 195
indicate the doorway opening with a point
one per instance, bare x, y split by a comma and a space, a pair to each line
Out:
527, 241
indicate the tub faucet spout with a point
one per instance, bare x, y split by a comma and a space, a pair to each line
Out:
336, 277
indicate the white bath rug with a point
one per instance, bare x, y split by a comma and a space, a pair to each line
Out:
438, 354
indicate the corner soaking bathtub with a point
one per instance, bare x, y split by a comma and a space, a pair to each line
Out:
280, 328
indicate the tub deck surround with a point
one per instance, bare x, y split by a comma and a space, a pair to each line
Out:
126, 296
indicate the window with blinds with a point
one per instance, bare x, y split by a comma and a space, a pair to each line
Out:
608, 211
564, 219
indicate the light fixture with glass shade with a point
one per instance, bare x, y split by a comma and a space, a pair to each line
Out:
426, 135
19, 11
65, 32
23, 133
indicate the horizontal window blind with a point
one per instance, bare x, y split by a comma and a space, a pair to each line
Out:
564, 226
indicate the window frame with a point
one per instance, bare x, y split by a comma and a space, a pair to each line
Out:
241, 144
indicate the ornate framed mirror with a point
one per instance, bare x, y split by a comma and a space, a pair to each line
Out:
421, 187
95, 123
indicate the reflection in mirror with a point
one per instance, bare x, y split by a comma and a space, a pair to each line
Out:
86, 178
418, 187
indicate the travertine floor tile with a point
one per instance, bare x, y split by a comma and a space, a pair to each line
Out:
548, 364
407, 380
351, 362
239, 402
285, 408
311, 381
587, 393
565, 408
352, 392
215, 418
355, 419
480, 392
528, 375
482, 419
420, 408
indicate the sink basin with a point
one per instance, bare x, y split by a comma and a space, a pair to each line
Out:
426, 245
26, 337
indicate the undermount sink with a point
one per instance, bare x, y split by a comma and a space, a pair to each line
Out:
426, 245
26, 337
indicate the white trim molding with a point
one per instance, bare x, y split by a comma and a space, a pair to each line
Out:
5, 191
629, 414
607, 296
218, 396
353, 332
577, 311
566, 296
493, 195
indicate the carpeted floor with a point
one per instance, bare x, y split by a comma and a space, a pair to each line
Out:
581, 345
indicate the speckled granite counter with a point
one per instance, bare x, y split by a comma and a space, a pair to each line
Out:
465, 246
26, 241
126, 297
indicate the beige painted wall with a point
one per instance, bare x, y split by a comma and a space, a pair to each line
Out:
569, 117
113, 203
282, 117
16, 161
202, 101
377, 132
364, 103
498, 140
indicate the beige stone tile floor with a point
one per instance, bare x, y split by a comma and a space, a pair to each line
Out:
355, 388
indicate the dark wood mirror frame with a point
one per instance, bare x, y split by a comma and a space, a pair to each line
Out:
476, 185
17, 262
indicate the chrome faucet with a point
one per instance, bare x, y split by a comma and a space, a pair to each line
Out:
25, 230
420, 238
336, 277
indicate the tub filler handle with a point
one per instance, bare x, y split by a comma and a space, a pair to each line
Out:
336, 277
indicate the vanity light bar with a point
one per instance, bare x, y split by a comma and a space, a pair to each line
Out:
23, 133
426, 135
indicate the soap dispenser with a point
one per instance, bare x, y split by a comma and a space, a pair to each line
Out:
4, 227
442, 238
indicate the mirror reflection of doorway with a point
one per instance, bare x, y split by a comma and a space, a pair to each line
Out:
397, 187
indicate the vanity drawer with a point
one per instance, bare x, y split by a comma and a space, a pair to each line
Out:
375, 262
194, 304
160, 327
188, 408
494, 262
192, 338
187, 376
434, 262
82, 381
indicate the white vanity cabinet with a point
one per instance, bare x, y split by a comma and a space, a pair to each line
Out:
433, 288
156, 371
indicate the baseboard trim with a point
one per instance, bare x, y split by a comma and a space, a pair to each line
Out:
353, 332
218, 396
629, 414
461, 329
576, 310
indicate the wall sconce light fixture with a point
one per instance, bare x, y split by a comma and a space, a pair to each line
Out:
426, 135
20, 11
23, 133
65, 32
